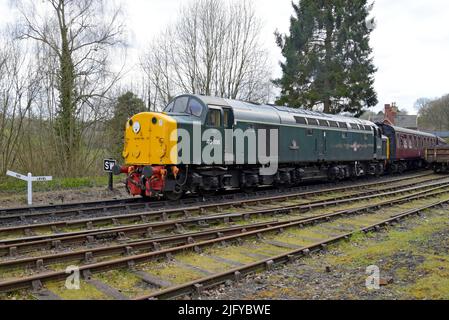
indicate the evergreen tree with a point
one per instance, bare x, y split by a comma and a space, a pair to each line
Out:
328, 57
126, 106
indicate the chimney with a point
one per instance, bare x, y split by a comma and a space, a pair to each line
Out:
390, 114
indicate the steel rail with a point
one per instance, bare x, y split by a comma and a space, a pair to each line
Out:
157, 243
64, 206
187, 212
132, 260
13, 246
7, 216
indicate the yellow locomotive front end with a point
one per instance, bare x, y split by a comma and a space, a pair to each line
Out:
147, 139
147, 153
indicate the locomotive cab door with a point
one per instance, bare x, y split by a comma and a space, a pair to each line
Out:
215, 134
221, 119
228, 125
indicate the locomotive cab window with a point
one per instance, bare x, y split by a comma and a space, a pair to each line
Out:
169, 108
195, 108
181, 105
214, 118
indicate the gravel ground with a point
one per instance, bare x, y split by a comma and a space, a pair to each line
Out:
63, 196
413, 259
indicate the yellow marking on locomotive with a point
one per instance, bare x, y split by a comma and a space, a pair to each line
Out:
147, 139
388, 148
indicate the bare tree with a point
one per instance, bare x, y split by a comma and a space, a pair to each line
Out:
421, 103
75, 39
434, 115
213, 48
18, 88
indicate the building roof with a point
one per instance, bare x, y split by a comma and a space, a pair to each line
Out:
407, 121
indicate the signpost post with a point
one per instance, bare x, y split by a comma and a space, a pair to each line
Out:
29, 179
108, 165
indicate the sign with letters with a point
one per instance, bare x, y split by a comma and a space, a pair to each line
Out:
29, 179
108, 165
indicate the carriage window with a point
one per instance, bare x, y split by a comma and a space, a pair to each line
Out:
181, 105
195, 108
214, 118
403, 142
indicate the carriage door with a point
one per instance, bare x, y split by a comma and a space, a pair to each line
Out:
228, 124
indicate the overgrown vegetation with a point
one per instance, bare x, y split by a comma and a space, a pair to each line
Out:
11, 185
63, 100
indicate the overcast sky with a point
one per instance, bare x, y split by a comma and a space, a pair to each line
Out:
411, 41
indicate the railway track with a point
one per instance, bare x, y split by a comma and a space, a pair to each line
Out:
197, 287
133, 252
188, 238
126, 206
14, 246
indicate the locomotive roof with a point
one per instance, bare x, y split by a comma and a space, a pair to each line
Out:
275, 114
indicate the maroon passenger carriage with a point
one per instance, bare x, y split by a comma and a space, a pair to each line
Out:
407, 147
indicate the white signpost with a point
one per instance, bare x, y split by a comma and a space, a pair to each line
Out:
29, 179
